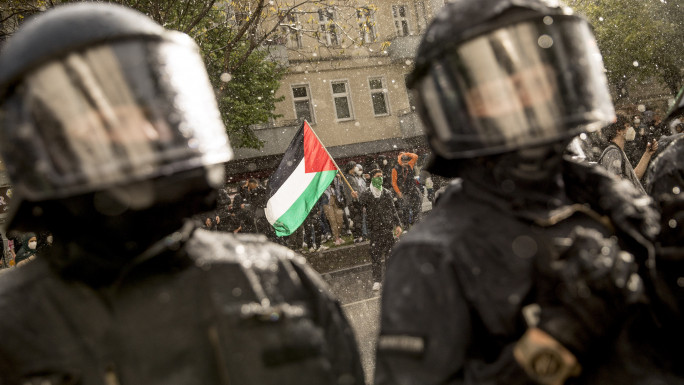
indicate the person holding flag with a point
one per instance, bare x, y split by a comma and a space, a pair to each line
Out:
304, 173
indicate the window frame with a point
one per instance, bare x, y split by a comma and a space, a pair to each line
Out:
346, 94
399, 19
328, 27
308, 98
366, 21
292, 20
383, 90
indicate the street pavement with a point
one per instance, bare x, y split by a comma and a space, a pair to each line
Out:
353, 286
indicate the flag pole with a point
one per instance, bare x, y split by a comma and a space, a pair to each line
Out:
331, 158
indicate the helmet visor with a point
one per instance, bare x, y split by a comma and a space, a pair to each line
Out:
526, 84
111, 114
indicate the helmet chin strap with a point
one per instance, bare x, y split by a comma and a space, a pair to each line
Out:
535, 169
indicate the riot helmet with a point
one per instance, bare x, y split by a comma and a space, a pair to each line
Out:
494, 76
96, 96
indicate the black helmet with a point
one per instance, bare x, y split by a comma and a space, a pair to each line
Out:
95, 96
493, 76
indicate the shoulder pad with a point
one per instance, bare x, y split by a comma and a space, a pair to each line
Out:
208, 247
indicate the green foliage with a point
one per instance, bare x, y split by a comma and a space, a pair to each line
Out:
638, 39
249, 97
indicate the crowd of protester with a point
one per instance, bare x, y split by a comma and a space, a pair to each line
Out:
338, 217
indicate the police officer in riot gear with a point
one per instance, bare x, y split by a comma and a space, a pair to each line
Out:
111, 135
665, 183
516, 276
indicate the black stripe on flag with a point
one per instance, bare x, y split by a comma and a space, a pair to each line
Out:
292, 157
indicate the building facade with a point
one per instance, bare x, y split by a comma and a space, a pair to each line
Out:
347, 68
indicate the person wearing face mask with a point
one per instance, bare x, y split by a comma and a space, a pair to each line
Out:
354, 175
383, 223
614, 158
406, 188
27, 251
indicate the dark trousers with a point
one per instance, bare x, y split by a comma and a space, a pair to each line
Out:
309, 232
356, 215
381, 243
410, 209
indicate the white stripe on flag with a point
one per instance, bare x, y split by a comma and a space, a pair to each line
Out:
288, 193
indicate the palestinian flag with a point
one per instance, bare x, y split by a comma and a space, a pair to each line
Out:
304, 173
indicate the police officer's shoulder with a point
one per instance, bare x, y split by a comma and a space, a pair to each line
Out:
448, 222
215, 247
455, 186
16, 283
609, 195
670, 160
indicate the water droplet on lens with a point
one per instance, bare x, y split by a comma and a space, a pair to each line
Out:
524, 246
545, 41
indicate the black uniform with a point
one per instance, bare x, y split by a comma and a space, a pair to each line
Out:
126, 140
222, 210
257, 199
228, 310
382, 220
472, 264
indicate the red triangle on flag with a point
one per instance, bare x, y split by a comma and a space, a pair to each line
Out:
316, 158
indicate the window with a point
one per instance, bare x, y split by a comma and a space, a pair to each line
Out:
302, 103
291, 29
328, 29
400, 15
421, 17
366, 17
378, 96
341, 99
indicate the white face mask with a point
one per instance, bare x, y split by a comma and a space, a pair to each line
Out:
384, 162
359, 172
32, 245
630, 134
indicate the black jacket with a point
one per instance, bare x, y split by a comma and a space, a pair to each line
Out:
381, 214
459, 285
207, 308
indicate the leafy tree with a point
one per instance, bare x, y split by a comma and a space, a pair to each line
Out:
639, 39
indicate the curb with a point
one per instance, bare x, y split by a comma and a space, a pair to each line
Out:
339, 258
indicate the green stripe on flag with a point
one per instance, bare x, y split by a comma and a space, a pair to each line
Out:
297, 213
